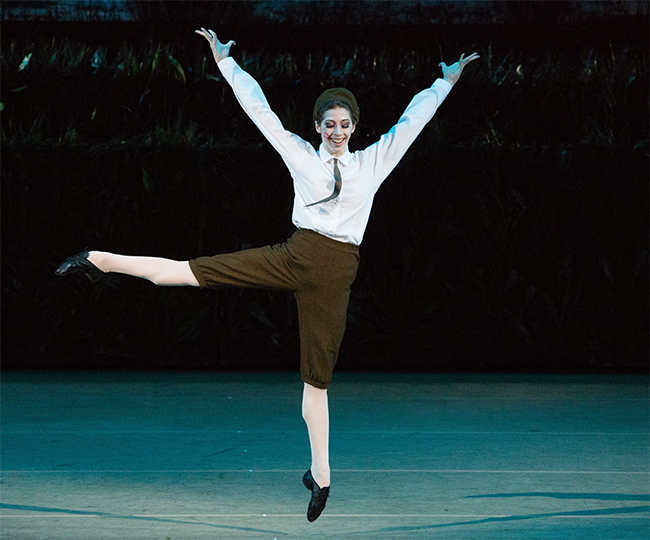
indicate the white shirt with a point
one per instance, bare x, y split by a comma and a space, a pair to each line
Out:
362, 172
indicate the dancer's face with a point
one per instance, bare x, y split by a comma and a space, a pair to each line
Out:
335, 130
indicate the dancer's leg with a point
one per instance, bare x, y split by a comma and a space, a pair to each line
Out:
157, 270
322, 308
316, 414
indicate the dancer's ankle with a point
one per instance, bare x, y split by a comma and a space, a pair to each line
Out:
97, 258
321, 476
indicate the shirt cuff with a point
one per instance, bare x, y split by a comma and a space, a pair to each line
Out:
227, 64
442, 84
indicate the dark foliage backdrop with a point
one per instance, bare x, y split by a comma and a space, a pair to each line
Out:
514, 234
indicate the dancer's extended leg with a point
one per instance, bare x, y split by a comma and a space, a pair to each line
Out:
316, 414
157, 270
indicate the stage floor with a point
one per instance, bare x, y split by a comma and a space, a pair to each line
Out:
102, 456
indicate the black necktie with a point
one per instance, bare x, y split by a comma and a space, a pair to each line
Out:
337, 185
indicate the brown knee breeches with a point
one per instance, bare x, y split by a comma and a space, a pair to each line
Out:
318, 270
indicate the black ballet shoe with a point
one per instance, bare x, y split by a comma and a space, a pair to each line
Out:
318, 496
79, 263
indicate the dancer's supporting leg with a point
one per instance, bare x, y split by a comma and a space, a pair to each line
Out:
158, 271
316, 414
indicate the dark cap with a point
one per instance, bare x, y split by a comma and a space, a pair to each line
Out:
338, 94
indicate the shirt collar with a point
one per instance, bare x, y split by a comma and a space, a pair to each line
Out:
325, 156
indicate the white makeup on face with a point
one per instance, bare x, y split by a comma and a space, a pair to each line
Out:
335, 130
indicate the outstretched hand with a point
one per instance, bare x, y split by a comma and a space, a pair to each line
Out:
451, 74
219, 50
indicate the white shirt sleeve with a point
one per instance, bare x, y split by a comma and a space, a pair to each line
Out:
391, 147
250, 96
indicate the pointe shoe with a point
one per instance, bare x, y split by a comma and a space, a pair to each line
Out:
79, 263
318, 496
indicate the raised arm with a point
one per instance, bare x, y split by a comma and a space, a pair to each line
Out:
391, 146
252, 99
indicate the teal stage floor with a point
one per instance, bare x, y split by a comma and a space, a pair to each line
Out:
220, 456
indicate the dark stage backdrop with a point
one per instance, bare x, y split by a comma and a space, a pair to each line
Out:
513, 235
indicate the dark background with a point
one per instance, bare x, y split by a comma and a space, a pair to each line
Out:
512, 236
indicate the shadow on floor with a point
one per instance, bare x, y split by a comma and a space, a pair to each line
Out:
594, 496
45, 509
579, 513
